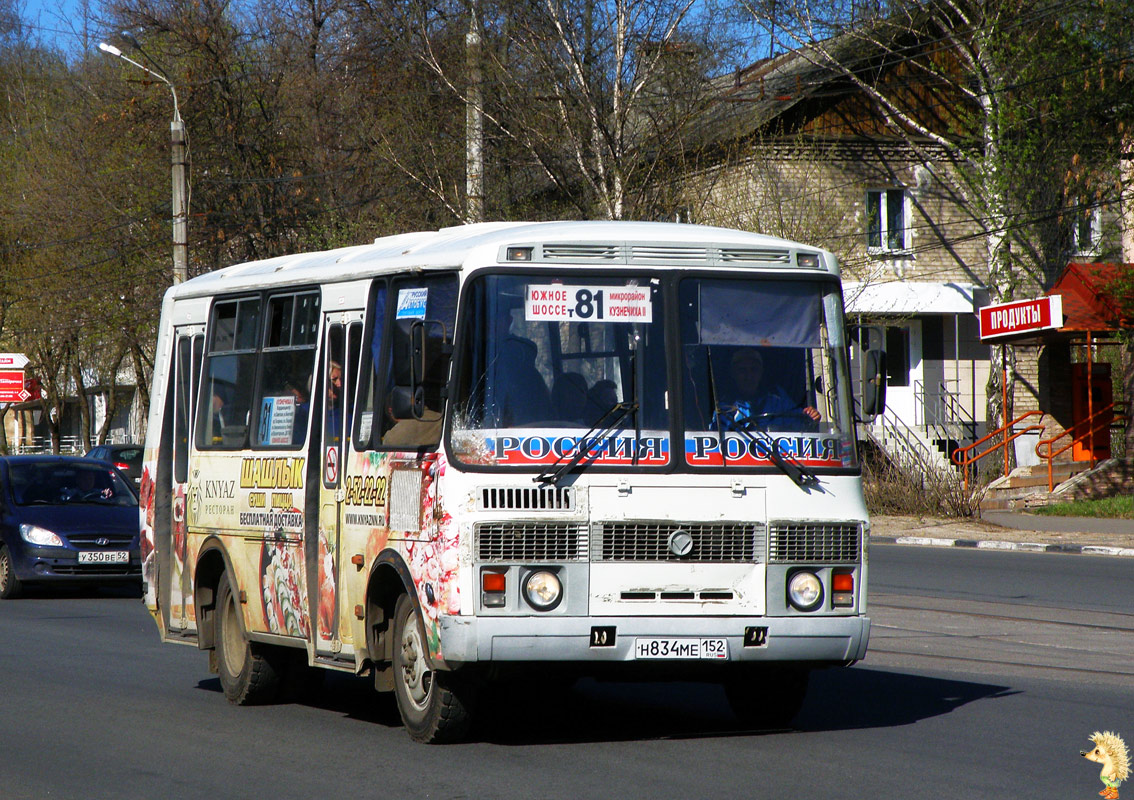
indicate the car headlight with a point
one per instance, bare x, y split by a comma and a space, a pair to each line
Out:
805, 590
33, 534
543, 590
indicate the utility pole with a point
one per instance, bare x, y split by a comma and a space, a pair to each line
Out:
474, 124
180, 200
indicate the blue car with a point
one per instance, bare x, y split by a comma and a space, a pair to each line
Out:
66, 520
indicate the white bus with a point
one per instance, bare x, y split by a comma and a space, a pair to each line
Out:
536, 446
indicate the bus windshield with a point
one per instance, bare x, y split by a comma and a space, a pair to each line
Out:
763, 366
546, 359
551, 365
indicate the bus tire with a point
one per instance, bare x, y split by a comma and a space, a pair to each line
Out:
767, 697
247, 675
430, 702
10, 585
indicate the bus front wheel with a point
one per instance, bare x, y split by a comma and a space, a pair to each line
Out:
431, 703
247, 675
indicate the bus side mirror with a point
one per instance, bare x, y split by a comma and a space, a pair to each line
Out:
420, 366
873, 383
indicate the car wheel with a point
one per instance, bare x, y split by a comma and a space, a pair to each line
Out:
247, 673
433, 703
768, 697
10, 585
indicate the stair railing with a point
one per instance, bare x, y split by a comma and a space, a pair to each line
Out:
964, 458
943, 409
1101, 420
912, 446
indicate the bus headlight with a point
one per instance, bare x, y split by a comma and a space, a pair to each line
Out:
805, 590
543, 590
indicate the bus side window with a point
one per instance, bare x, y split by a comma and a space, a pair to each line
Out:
223, 409
334, 411
433, 299
340, 373
371, 378
350, 373
287, 378
188, 369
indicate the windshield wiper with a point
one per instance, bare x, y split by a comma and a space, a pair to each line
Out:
794, 470
561, 467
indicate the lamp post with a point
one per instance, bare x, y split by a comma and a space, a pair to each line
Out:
180, 187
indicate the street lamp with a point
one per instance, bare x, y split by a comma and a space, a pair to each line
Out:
180, 189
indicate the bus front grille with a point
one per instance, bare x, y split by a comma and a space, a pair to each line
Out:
814, 542
720, 543
531, 541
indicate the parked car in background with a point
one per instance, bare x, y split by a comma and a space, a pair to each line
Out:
64, 520
127, 457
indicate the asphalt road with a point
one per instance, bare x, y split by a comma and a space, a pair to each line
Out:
987, 672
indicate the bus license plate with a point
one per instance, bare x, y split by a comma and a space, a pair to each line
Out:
681, 648
104, 556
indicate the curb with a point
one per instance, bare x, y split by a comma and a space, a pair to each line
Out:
1030, 547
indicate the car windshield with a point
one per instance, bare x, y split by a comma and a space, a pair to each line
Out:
55, 483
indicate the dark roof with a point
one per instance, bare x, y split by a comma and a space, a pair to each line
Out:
748, 100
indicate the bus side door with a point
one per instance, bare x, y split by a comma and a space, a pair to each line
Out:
342, 337
177, 588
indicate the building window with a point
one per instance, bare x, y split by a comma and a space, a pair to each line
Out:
888, 220
1086, 231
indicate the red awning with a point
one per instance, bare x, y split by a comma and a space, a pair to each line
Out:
1087, 305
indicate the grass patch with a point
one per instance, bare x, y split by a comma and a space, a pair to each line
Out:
1121, 507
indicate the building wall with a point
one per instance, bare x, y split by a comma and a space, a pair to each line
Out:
817, 193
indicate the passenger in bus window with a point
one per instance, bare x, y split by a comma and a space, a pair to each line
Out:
218, 418
334, 401
521, 392
302, 409
601, 398
764, 404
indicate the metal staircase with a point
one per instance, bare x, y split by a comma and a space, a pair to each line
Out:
942, 425
906, 446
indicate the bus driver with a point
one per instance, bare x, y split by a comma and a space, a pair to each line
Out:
757, 401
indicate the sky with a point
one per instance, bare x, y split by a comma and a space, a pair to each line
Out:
55, 22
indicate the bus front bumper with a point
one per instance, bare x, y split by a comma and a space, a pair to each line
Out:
840, 640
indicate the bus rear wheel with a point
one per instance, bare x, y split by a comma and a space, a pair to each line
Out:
247, 675
432, 703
